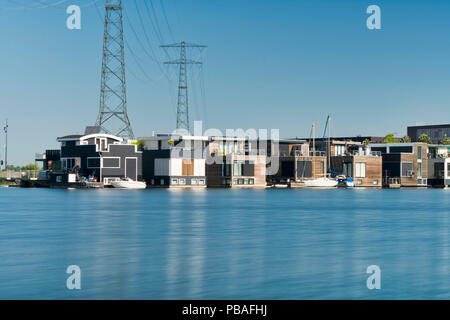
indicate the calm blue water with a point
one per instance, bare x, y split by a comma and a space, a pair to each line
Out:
224, 244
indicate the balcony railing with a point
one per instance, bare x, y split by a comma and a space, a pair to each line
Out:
366, 154
391, 181
438, 156
298, 153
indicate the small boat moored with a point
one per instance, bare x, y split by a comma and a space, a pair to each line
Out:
344, 182
321, 183
128, 183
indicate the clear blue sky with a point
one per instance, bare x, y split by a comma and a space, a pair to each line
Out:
269, 64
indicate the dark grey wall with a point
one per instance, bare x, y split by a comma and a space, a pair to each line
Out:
122, 151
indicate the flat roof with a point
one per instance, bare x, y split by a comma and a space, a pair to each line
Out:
430, 126
395, 144
173, 137
70, 137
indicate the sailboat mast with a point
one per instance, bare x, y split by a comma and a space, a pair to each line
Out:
314, 138
314, 149
329, 143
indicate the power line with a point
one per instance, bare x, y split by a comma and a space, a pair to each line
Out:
24, 7
154, 21
149, 43
40, 5
182, 62
138, 38
167, 20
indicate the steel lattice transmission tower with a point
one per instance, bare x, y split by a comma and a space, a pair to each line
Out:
112, 116
183, 106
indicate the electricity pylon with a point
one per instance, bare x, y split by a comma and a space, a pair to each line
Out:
112, 116
183, 106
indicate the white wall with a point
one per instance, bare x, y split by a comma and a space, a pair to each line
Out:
199, 167
176, 167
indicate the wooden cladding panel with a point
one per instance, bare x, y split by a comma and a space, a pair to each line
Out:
187, 167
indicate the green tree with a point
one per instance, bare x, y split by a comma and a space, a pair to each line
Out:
424, 138
11, 167
389, 138
31, 166
445, 140
405, 139
366, 142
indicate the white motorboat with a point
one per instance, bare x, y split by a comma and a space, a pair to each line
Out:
321, 183
128, 183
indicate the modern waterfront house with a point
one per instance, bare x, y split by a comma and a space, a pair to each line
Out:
297, 162
174, 161
438, 166
95, 156
404, 164
50, 159
358, 162
231, 164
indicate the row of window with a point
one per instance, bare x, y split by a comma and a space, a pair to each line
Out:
240, 169
241, 181
70, 163
92, 163
178, 182
182, 182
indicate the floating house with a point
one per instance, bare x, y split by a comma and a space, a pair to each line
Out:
358, 162
404, 164
232, 164
438, 166
296, 162
95, 157
174, 161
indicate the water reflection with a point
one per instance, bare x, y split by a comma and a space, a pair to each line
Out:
225, 244
186, 242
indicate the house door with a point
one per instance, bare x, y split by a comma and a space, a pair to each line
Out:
131, 168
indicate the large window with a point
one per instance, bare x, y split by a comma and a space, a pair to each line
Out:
339, 150
304, 169
348, 169
419, 170
70, 163
243, 168
238, 168
403, 149
226, 170
360, 169
101, 144
228, 147
407, 169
